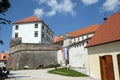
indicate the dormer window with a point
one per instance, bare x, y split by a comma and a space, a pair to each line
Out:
36, 25
16, 27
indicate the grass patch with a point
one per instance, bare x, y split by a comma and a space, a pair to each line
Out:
69, 72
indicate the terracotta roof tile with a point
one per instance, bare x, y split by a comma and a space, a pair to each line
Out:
4, 57
58, 38
28, 20
79, 32
85, 30
108, 32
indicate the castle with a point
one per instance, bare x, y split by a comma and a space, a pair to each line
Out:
33, 43
92, 50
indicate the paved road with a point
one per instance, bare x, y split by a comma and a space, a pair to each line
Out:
40, 74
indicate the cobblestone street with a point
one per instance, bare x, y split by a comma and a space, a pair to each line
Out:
40, 74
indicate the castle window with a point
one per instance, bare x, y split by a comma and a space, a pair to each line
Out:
43, 27
46, 38
36, 25
83, 43
78, 39
42, 34
47, 31
87, 36
82, 37
36, 34
16, 35
87, 42
16, 27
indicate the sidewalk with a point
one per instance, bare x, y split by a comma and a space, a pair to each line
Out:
40, 74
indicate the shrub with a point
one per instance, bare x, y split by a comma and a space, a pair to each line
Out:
53, 65
9, 68
48, 66
41, 66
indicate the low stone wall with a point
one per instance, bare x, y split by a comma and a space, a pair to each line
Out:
32, 55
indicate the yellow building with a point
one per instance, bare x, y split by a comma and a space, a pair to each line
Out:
104, 50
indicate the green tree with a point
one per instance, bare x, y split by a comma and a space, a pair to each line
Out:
4, 6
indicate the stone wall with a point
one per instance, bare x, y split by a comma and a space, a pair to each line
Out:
32, 55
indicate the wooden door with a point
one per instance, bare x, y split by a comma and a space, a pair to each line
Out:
103, 68
109, 67
118, 58
106, 66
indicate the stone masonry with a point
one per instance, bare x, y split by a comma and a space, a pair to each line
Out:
32, 55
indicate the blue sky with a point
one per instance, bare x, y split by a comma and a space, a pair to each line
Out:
62, 16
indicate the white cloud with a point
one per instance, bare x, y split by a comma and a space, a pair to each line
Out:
65, 6
111, 5
89, 2
40, 1
54, 7
38, 12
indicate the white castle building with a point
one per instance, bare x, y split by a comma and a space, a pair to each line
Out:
32, 30
31, 44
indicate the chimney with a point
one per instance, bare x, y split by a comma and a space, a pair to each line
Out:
105, 18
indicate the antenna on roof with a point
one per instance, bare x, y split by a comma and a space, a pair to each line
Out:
105, 17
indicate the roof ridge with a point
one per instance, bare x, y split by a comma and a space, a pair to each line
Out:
29, 19
86, 27
85, 30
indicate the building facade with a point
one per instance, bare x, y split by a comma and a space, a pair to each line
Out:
73, 52
3, 59
104, 50
32, 30
31, 44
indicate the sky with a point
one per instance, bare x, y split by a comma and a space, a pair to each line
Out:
62, 16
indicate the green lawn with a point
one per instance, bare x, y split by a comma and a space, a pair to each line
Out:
69, 72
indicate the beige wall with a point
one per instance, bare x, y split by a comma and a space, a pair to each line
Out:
102, 50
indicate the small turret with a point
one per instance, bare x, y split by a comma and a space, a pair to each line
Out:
67, 40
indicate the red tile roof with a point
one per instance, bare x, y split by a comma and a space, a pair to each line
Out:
108, 32
58, 38
4, 57
79, 32
85, 30
28, 20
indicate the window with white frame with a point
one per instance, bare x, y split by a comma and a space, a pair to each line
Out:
36, 34
43, 35
16, 35
82, 37
36, 25
16, 27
